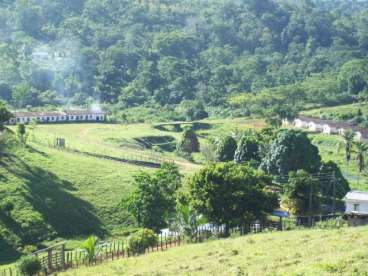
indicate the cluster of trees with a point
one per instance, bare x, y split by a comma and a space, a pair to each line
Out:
236, 189
165, 52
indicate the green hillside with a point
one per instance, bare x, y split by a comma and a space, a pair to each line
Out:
60, 194
301, 252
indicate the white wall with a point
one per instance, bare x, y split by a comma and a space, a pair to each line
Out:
363, 206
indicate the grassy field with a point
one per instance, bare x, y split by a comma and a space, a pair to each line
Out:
301, 252
60, 194
330, 149
67, 195
338, 112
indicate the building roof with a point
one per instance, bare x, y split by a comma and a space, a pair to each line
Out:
38, 114
83, 112
357, 195
335, 124
55, 113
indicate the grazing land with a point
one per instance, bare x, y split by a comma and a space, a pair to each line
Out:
69, 195
339, 112
301, 252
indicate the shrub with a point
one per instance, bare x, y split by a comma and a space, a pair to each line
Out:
189, 142
141, 240
29, 265
6, 207
331, 224
226, 147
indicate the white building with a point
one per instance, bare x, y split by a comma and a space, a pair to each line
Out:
58, 117
315, 127
330, 129
356, 207
299, 123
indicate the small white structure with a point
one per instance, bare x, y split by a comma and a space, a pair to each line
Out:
356, 211
358, 136
299, 123
315, 127
329, 129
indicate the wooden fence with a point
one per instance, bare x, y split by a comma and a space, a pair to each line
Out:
56, 259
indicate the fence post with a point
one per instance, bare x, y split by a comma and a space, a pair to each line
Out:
62, 257
49, 259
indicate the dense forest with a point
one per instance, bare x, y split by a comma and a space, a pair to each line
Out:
251, 53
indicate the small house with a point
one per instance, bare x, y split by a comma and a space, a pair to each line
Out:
315, 127
300, 123
329, 129
356, 208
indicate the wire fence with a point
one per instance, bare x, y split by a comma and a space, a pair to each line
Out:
57, 259
145, 159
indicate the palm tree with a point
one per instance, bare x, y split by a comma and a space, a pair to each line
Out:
188, 221
360, 150
348, 145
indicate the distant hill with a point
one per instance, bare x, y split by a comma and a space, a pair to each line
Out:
156, 53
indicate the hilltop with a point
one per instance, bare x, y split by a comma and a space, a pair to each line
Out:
300, 252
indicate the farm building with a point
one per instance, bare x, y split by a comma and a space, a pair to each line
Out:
329, 127
57, 117
356, 210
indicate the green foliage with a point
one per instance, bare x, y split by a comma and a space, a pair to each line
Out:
90, 245
247, 150
5, 114
361, 149
22, 133
341, 184
153, 202
179, 51
138, 242
29, 265
6, 206
189, 142
225, 148
301, 193
331, 224
231, 194
348, 138
188, 221
291, 151
192, 110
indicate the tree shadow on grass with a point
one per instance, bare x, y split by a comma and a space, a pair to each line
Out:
68, 215
8, 253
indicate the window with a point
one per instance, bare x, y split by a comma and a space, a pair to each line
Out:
356, 207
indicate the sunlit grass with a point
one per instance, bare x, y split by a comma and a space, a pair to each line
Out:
301, 252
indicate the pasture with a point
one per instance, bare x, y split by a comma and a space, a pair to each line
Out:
301, 252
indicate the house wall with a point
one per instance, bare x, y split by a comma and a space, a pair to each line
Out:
299, 123
363, 206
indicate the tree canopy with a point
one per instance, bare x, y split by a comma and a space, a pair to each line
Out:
292, 150
131, 53
231, 194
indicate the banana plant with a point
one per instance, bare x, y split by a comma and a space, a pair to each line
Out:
91, 246
188, 221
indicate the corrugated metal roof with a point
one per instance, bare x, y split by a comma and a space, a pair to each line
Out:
357, 195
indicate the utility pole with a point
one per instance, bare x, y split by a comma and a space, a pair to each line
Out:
310, 203
333, 192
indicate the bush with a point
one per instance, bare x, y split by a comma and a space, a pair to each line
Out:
29, 265
331, 224
141, 240
6, 207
